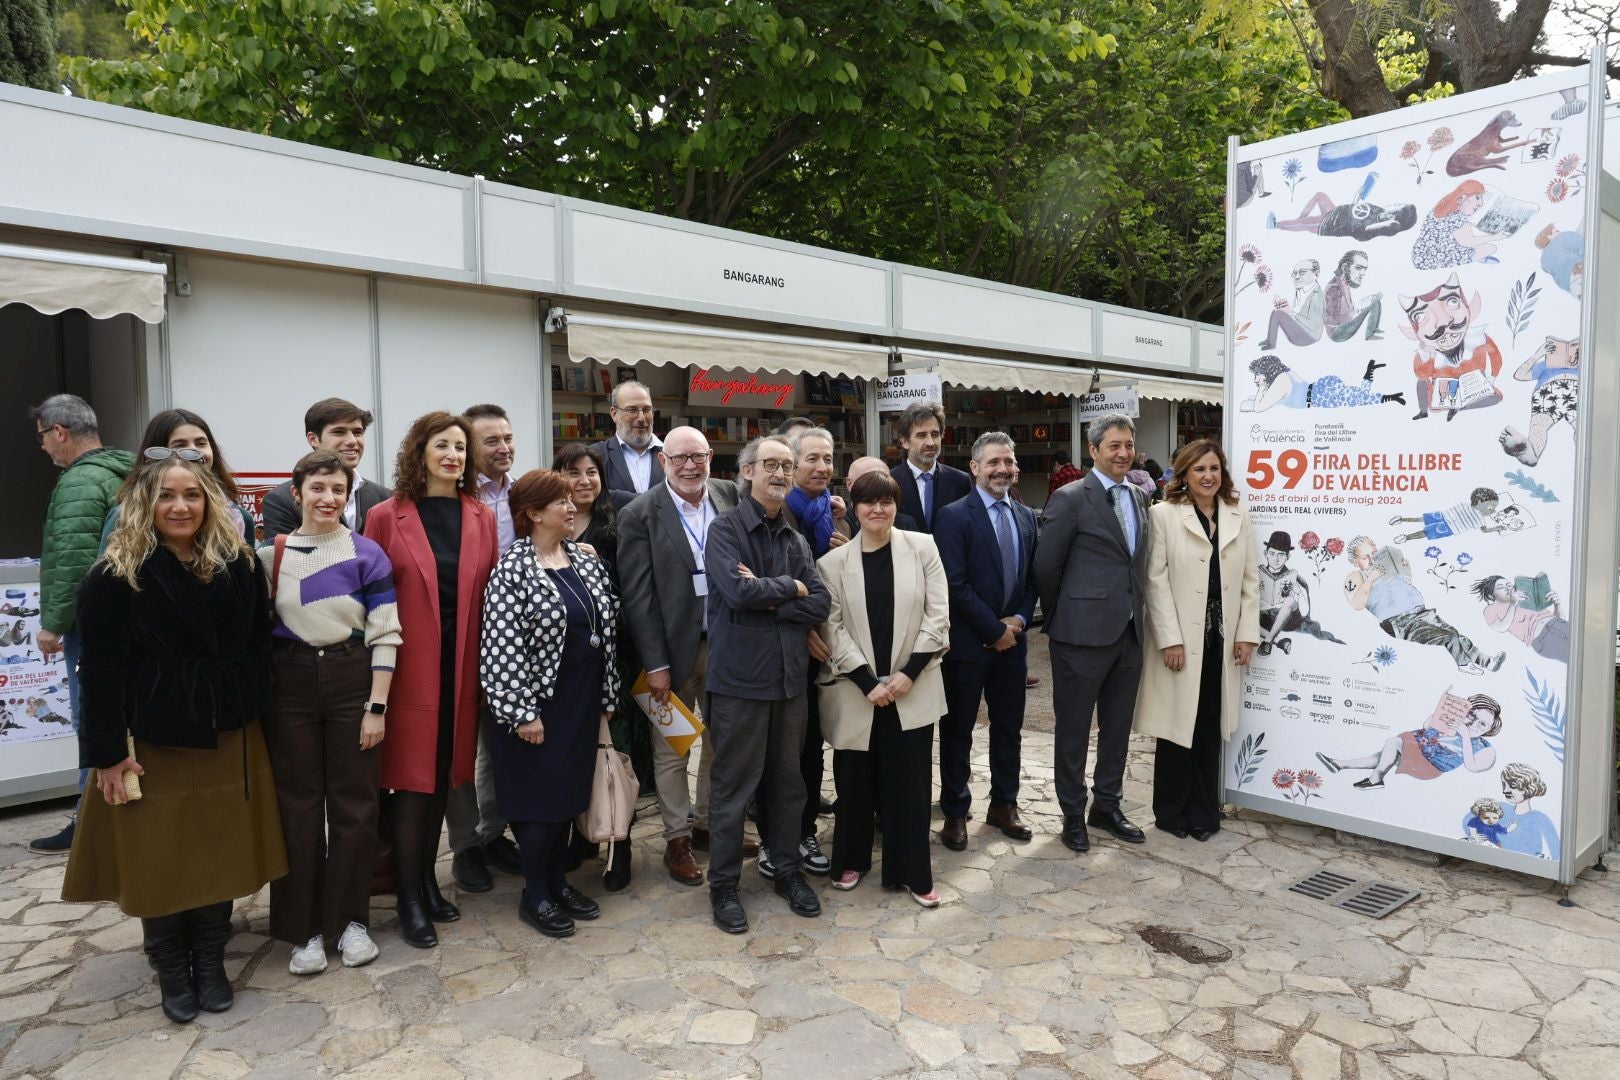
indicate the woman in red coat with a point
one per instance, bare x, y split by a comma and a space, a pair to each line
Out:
443, 544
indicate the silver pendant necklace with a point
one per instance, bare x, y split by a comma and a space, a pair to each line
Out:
589, 606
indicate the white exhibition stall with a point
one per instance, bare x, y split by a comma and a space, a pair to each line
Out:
1422, 322
291, 273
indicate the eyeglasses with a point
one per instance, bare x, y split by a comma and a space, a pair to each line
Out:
783, 467
40, 433
164, 453
678, 460
634, 410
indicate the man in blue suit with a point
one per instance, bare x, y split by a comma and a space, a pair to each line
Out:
927, 485
987, 545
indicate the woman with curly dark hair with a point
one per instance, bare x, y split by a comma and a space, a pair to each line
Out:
442, 543
596, 519
1203, 621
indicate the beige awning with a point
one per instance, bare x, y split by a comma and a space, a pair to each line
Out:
986, 373
51, 281
611, 339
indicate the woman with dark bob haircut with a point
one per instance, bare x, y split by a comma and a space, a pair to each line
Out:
442, 543
551, 681
182, 429
881, 689
1203, 591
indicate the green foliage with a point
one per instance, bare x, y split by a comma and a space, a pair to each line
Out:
94, 28
28, 44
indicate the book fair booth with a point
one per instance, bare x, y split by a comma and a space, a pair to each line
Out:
148, 262
1431, 472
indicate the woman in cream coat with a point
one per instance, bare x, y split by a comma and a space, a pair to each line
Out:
1189, 700
881, 690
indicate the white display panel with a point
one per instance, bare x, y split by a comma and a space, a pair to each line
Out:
254, 346
519, 238
968, 312
643, 259
1404, 415
448, 348
80, 166
1146, 341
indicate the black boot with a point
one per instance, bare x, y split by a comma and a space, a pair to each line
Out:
209, 928
617, 875
414, 925
438, 908
1372, 366
165, 945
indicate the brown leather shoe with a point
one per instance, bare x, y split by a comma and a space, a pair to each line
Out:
700, 842
1007, 820
678, 858
954, 834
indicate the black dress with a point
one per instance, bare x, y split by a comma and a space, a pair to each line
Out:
441, 520
551, 781
894, 775
1187, 781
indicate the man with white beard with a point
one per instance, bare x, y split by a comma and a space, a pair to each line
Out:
630, 458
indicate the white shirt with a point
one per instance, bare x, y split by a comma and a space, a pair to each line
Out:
352, 508
696, 521
638, 463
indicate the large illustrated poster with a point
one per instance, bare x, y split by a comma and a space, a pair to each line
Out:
1405, 318
33, 687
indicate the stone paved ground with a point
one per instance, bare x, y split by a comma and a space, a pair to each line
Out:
1034, 967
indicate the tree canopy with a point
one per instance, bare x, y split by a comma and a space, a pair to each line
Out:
28, 44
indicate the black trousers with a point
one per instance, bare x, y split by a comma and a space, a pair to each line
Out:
893, 778
1187, 781
812, 767
1087, 678
999, 682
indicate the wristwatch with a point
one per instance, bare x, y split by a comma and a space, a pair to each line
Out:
376, 708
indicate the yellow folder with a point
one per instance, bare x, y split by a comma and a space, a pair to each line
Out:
679, 726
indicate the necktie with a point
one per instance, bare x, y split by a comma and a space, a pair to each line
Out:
1119, 497
927, 481
1009, 551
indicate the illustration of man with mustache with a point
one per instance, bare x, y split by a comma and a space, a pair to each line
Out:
1456, 366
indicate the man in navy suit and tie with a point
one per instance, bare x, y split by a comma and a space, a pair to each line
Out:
630, 458
926, 485
987, 545
1092, 573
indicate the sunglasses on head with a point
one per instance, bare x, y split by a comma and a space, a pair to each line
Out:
164, 453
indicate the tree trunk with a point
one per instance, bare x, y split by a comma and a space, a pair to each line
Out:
1350, 72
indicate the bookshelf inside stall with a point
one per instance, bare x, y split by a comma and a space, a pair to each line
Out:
581, 393
1196, 420
1038, 423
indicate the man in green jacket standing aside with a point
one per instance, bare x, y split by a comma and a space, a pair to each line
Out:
67, 431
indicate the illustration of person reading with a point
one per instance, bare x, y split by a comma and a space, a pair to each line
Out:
1381, 584
1479, 512
1456, 369
1484, 824
1301, 319
1533, 832
1455, 735
1555, 369
1464, 225
1563, 257
1275, 384
1285, 601
1528, 609
1342, 313
1360, 219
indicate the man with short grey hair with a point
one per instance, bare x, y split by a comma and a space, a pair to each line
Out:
764, 598
70, 436
630, 456
1091, 571
987, 545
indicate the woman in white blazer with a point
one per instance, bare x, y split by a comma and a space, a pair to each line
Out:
1196, 603
881, 690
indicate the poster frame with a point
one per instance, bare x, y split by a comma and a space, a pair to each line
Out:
1573, 857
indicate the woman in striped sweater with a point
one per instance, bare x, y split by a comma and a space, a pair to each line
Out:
336, 632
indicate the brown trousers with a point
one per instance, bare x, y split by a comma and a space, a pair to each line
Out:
327, 788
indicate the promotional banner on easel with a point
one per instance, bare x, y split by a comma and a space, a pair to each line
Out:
1405, 328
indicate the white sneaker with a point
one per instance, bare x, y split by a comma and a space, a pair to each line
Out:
356, 946
309, 959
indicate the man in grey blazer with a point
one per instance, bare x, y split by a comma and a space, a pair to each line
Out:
1091, 571
339, 426
630, 463
662, 534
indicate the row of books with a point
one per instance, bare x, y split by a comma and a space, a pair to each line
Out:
963, 434
1001, 402
569, 427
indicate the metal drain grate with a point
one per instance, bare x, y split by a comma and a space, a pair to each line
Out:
1322, 885
1374, 899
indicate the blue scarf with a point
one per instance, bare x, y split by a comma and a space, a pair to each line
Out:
815, 518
